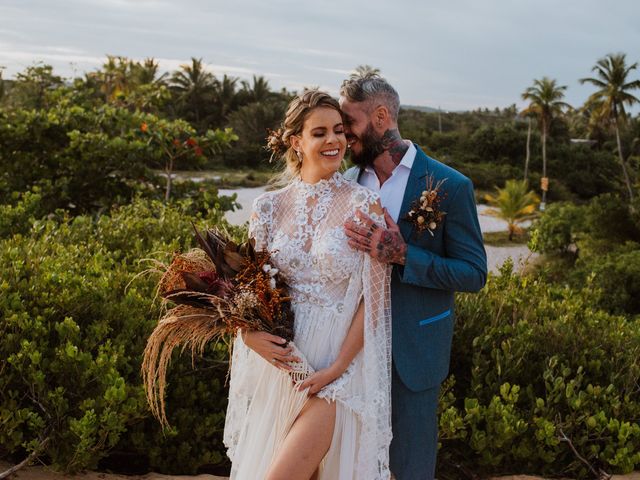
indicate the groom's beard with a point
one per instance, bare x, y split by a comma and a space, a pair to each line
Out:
372, 148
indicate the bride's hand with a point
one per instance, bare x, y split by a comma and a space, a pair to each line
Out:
270, 348
320, 379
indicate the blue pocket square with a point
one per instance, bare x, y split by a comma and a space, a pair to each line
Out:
435, 318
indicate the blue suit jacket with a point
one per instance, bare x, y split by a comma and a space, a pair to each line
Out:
422, 291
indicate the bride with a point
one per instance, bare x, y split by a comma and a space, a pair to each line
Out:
340, 298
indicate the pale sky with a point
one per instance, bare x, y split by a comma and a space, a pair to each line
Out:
457, 55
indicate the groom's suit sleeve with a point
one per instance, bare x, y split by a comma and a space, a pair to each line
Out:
464, 268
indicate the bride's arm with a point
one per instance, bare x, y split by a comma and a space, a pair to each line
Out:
270, 347
353, 343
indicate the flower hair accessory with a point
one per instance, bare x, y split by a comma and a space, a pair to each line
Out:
425, 213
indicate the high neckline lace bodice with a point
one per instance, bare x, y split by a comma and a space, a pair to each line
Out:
335, 181
306, 235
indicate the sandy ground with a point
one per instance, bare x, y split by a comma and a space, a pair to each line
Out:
495, 255
44, 473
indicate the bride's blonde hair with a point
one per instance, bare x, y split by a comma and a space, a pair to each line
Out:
279, 141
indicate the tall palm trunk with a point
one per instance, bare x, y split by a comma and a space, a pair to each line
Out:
526, 160
623, 164
543, 203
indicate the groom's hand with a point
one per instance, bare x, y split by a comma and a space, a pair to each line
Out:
386, 245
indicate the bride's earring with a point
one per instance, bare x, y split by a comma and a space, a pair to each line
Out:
299, 153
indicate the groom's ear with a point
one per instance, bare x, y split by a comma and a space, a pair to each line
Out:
381, 117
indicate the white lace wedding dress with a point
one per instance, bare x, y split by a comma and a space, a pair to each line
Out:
302, 226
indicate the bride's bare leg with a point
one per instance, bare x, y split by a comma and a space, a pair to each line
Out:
306, 443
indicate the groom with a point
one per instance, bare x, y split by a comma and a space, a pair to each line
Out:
428, 265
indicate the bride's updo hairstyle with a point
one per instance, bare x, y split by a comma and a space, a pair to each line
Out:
279, 141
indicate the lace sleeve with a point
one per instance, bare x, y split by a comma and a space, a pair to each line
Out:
243, 372
377, 358
260, 221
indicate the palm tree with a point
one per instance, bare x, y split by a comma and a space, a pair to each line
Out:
225, 97
146, 73
115, 78
514, 204
545, 97
612, 74
365, 71
258, 91
194, 87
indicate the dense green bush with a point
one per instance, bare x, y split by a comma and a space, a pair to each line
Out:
487, 176
88, 159
491, 148
559, 228
74, 325
598, 242
81, 159
530, 360
531, 363
586, 171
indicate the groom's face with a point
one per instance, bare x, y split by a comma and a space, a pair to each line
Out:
365, 143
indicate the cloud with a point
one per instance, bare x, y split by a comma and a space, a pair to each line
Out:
462, 54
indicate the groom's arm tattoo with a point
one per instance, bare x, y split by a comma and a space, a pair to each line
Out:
391, 248
393, 143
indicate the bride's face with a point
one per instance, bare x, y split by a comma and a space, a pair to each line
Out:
322, 142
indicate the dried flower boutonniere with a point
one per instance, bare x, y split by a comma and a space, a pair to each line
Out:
424, 213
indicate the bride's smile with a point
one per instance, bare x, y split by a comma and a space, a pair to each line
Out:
321, 144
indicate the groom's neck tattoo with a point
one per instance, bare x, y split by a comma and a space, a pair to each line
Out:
394, 144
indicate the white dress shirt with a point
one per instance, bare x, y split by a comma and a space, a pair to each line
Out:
392, 191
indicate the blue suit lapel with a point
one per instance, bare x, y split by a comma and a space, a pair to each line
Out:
415, 185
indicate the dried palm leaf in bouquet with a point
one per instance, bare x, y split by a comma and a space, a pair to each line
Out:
218, 289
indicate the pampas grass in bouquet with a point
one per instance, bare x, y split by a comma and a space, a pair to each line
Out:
218, 289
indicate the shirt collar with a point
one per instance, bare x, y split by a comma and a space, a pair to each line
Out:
406, 162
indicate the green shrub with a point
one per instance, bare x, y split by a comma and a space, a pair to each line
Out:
616, 275
487, 176
558, 228
88, 159
74, 325
532, 361
600, 242
18, 216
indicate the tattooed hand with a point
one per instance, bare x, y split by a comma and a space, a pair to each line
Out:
386, 245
